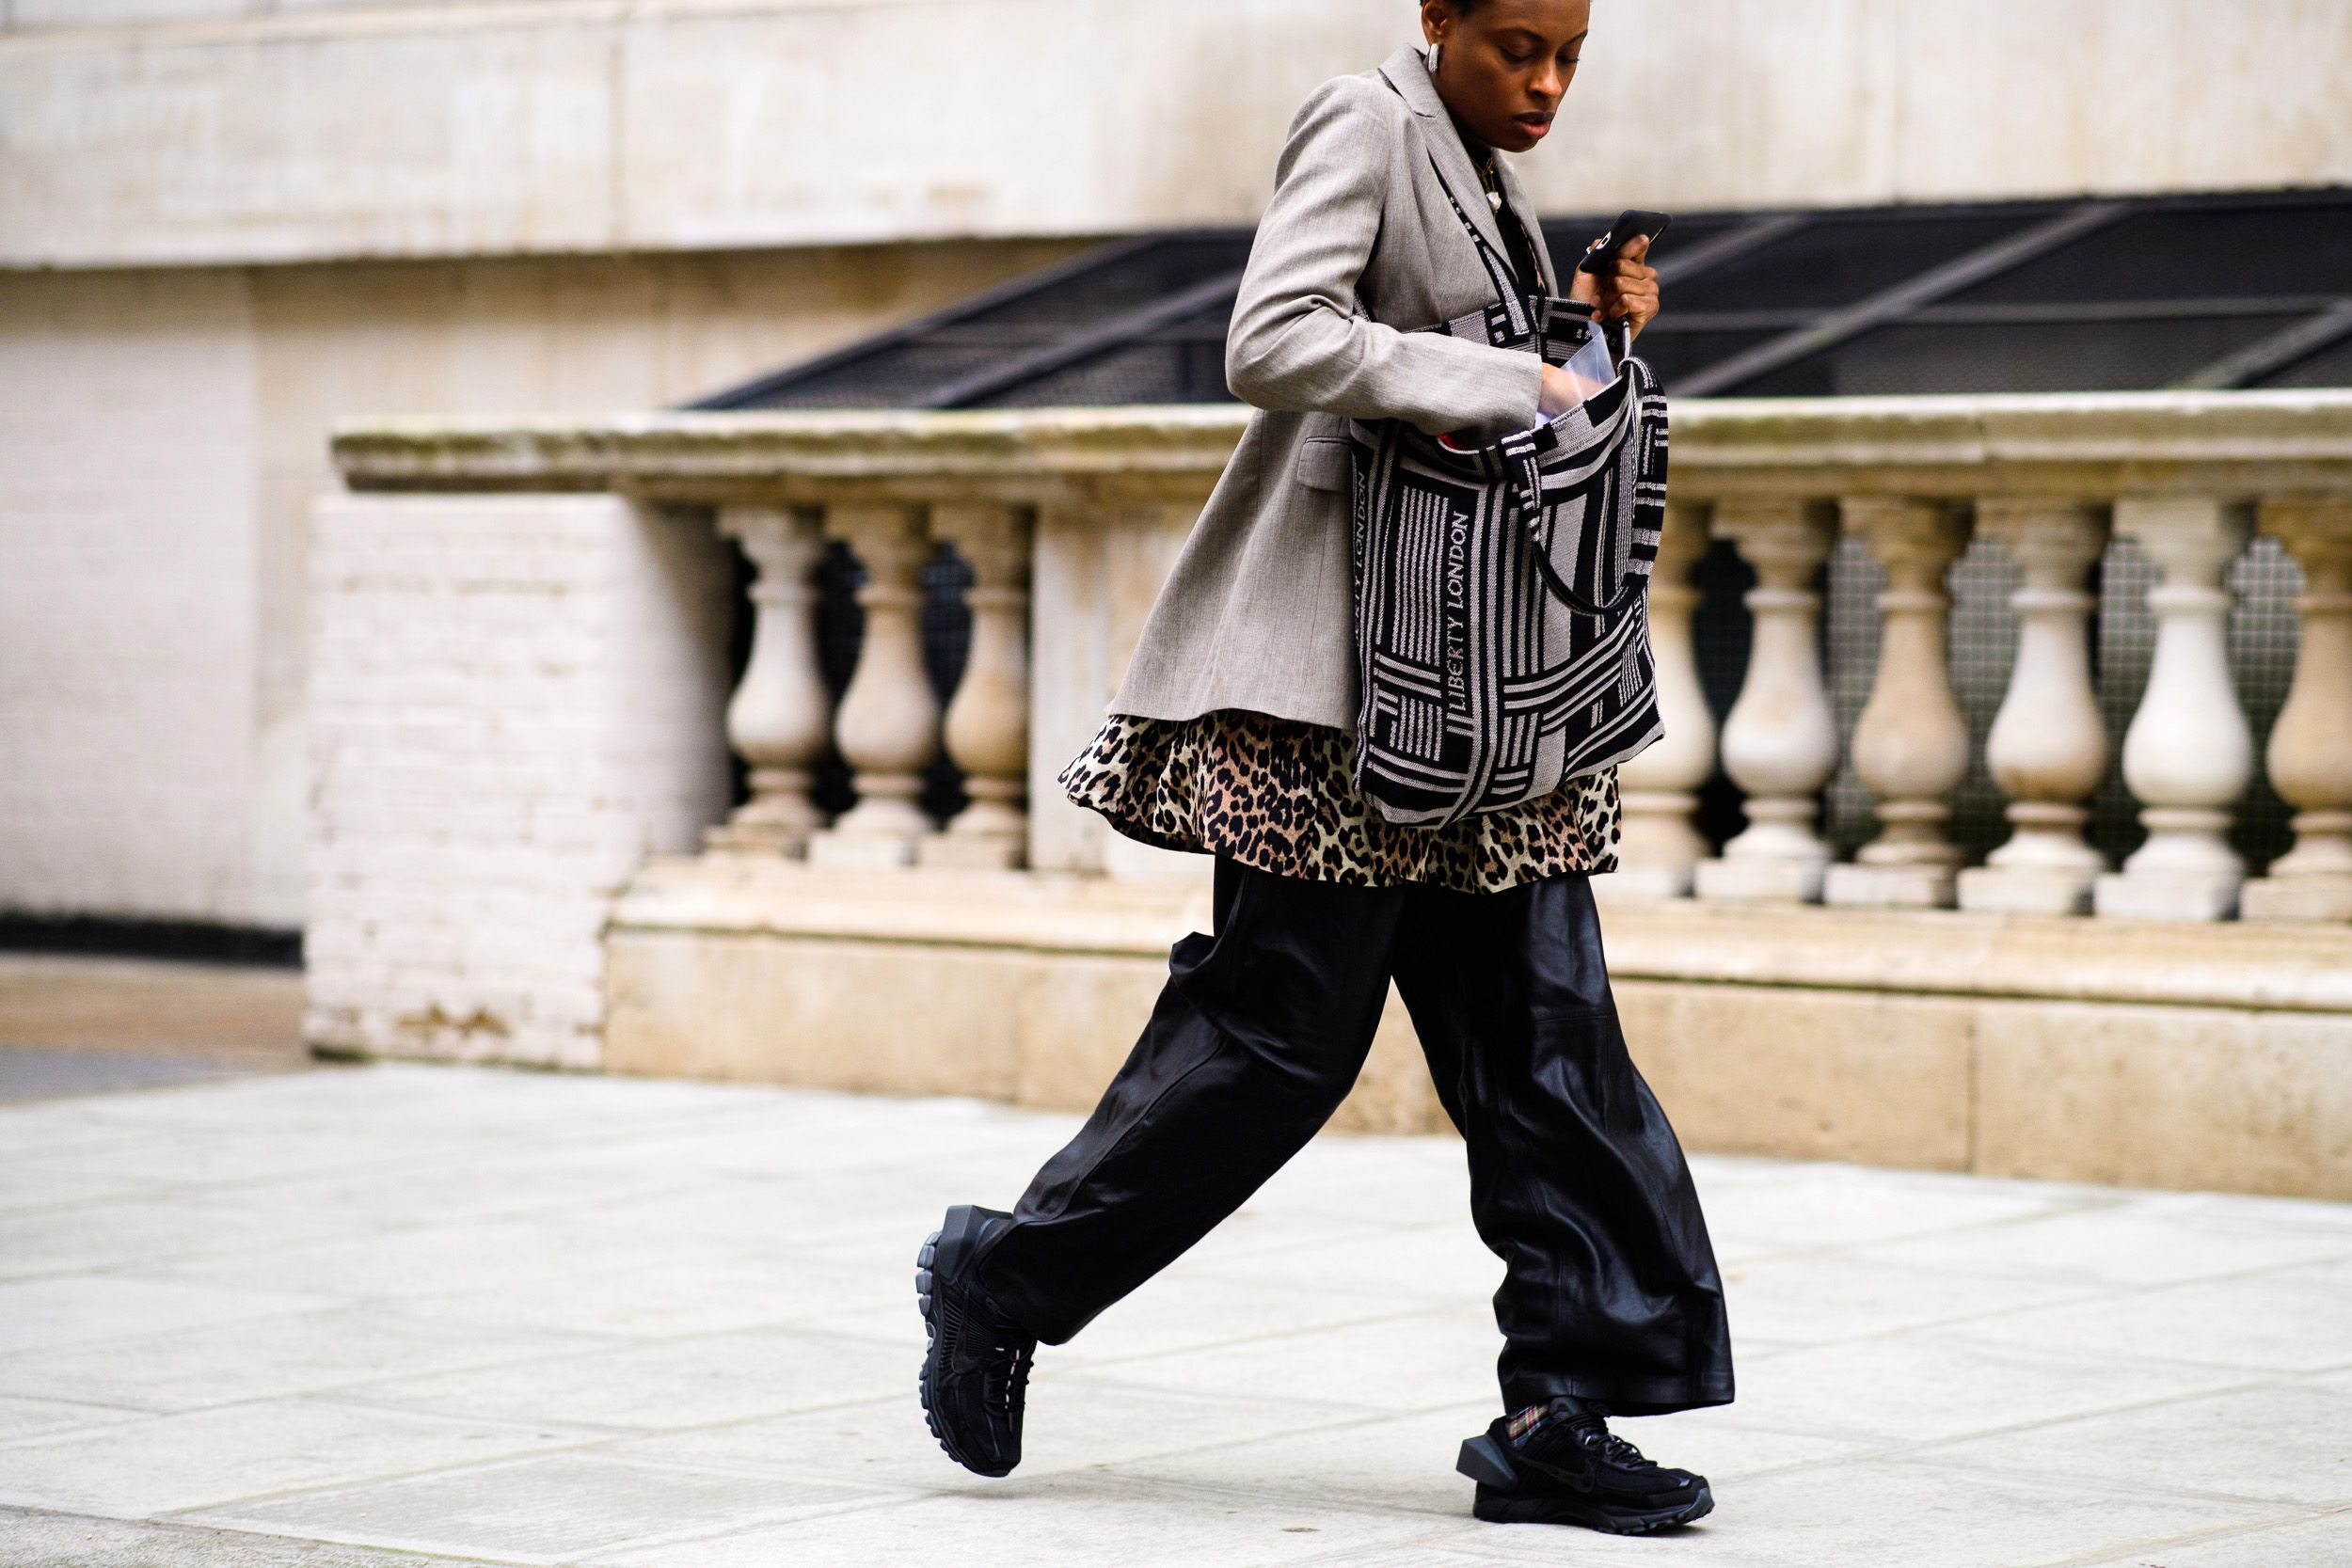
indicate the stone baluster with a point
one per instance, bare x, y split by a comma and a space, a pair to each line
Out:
1780, 739
1659, 843
988, 719
2189, 752
2048, 747
887, 726
780, 714
1911, 742
2309, 755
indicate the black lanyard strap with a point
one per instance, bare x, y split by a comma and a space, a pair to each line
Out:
1516, 302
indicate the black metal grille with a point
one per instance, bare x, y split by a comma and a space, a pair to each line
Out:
2241, 290
2054, 356
2328, 368
2173, 249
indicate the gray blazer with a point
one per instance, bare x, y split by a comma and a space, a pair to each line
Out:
1258, 611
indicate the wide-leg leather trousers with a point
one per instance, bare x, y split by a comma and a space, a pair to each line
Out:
1610, 1291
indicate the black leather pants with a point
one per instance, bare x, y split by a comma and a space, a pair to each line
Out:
1577, 1181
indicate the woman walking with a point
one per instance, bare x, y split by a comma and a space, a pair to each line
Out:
1232, 734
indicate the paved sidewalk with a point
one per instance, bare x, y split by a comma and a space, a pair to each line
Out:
339, 1317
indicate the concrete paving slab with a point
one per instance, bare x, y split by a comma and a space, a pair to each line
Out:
719, 1294
2146, 1243
1421, 1265
148, 1230
2325, 1543
2250, 1210
2280, 1442
1082, 1516
1953, 1386
33, 1539
739, 1214
1080, 1419
1818, 1206
1390, 1462
1821, 1298
547, 1510
351, 1317
480, 1185
308, 1352
186, 1158
665, 1386
393, 1263
31, 1182
74, 1309
59, 1127
1421, 1556
1418, 1360
805, 1145
206, 1458
2288, 1318
23, 1418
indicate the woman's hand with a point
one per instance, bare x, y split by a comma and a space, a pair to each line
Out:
1563, 389
1630, 289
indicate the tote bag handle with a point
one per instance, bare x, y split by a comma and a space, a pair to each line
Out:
1523, 458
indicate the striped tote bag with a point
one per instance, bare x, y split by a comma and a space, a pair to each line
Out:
1503, 591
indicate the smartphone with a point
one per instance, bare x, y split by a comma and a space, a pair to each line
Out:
1631, 223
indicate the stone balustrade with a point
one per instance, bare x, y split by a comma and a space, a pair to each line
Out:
1067, 518
2002, 820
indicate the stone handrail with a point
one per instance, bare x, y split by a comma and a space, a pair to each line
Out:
1033, 497
2095, 445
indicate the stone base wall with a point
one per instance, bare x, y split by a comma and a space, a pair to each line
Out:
1884, 1040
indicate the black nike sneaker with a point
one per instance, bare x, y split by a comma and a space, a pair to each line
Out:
1567, 1468
976, 1369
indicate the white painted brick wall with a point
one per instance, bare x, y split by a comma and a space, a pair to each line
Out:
513, 701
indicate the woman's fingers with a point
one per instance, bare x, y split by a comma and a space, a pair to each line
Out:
1632, 290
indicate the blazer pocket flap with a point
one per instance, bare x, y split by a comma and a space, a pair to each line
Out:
1325, 463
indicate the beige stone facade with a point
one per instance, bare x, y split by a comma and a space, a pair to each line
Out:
405, 129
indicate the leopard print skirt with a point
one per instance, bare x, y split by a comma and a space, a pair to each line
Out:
1279, 794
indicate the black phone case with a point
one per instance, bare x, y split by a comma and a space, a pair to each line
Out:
1634, 221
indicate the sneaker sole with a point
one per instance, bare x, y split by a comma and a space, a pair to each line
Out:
945, 1251
1503, 1508
1483, 1459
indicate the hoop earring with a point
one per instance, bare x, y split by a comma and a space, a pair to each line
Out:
1435, 51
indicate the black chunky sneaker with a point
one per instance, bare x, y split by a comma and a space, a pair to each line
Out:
1562, 1466
976, 1369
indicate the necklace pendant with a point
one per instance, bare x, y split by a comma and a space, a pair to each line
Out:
1494, 200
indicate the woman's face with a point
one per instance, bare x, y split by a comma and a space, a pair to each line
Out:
1506, 64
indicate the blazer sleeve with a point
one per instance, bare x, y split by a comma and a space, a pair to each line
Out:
1296, 344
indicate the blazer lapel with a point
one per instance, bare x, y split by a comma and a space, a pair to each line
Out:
1407, 71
